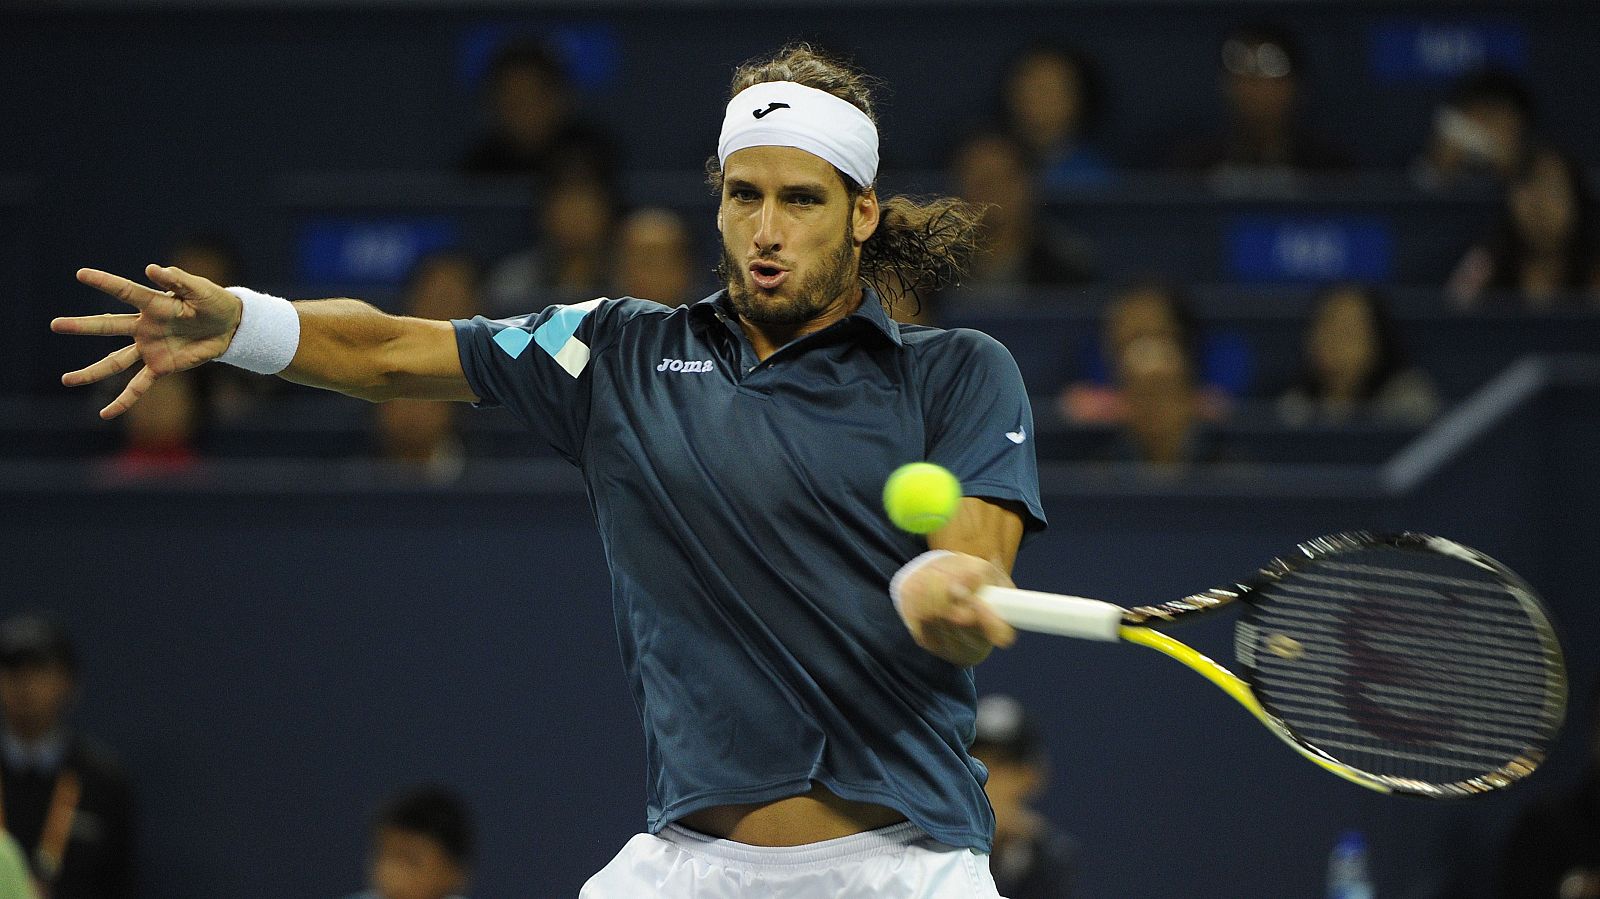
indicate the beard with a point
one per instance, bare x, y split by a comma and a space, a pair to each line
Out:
809, 298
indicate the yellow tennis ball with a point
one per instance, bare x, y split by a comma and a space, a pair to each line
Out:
920, 497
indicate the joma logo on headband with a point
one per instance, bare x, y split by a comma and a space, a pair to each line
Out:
758, 113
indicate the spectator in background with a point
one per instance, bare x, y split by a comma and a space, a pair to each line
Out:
164, 439
1153, 309
1262, 145
571, 261
1481, 131
1553, 850
1354, 368
63, 797
1020, 246
1050, 103
422, 433
213, 254
422, 847
1542, 255
1032, 859
534, 127
1163, 428
655, 258
224, 394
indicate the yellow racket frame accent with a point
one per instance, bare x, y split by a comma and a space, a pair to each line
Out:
1235, 686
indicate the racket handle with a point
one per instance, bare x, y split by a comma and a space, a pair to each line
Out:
1054, 613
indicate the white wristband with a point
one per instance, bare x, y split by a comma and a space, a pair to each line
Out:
910, 568
268, 334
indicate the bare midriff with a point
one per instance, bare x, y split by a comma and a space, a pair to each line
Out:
792, 821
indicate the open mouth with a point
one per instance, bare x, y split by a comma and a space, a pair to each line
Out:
768, 275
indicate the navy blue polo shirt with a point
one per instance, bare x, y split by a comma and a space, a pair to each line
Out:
739, 503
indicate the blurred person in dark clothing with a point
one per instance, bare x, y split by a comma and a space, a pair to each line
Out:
1147, 309
422, 847
164, 440
1542, 255
62, 796
1354, 367
1481, 131
1021, 247
1164, 427
572, 253
1553, 850
1050, 103
1032, 858
224, 395
1262, 144
422, 434
535, 129
655, 258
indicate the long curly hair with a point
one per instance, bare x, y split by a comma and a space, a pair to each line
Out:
922, 244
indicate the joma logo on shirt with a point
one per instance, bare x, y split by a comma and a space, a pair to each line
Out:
680, 365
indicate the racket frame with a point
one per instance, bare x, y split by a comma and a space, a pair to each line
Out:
1094, 619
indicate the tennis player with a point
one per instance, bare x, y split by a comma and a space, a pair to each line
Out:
799, 741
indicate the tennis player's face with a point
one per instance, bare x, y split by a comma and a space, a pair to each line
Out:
791, 236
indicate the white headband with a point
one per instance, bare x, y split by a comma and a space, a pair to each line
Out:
786, 114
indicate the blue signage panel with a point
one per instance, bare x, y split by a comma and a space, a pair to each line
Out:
1310, 249
370, 251
1411, 50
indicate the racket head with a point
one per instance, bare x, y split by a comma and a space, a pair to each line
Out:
1421, 665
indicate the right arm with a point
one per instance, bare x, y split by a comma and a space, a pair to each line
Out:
345, 345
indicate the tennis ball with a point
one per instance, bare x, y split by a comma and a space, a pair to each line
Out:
920, 497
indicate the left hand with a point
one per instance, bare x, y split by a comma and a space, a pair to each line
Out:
940, 606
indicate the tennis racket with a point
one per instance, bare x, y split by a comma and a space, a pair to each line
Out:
1404, 663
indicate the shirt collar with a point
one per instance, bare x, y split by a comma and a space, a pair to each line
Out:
870, 311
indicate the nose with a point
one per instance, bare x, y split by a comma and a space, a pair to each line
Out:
768, 237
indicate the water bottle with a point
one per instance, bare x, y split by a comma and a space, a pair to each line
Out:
1348, 877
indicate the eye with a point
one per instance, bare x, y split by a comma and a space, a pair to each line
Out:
805, 199
742, 194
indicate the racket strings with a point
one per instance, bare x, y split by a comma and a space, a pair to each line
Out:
1407, 665
1432, 643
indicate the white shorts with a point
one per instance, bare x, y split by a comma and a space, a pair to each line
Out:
895, 862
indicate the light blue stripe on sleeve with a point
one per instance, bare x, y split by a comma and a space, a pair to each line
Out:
561, 325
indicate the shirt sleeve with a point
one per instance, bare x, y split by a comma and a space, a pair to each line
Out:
979, 421
540, 366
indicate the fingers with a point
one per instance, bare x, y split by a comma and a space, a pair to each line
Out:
995, 629
118, 324
176, 281
135, 295
944, 613
138, 387
113, 363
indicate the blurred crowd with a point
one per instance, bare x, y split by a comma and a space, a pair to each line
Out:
1156, 382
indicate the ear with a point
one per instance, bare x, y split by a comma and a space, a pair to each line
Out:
864, 218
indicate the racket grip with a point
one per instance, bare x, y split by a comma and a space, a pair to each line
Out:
1054, 613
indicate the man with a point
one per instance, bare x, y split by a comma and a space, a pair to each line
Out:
63, 798
1032, 859
735, 452
1262, 143
421, 847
